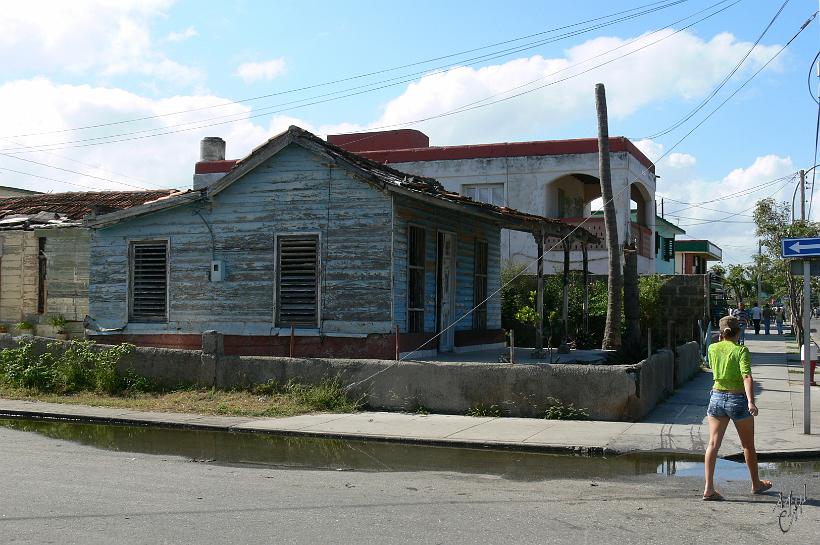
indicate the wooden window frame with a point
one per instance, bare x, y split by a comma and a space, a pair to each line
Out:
277, 291
42, 276
416, 314
480, 288
132, 244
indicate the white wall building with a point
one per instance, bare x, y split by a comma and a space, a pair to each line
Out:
554, 178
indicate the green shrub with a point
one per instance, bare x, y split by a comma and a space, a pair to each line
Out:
483, 410
328, 395
559, 411
24, 326
78, 367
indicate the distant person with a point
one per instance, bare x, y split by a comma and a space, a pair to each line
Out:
742, 316
757, 315
768, 314
732, 399
779, 315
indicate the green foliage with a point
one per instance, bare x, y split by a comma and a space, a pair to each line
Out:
518, 310
57, 320
328, 395
24, 326
559, 411
81, 366
652, 310
483, 410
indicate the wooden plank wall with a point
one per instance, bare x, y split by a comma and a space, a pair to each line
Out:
468, 229
293, 192
67, 254
18, 276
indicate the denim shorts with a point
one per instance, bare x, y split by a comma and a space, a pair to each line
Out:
735, 406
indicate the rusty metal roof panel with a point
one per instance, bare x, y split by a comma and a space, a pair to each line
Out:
75, 205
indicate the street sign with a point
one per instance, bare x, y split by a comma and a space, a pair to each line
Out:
801, 247
796, 267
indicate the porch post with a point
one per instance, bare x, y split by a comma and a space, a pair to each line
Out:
585, 257
539, 292
563, 348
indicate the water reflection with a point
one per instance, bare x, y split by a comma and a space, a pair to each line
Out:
234, 448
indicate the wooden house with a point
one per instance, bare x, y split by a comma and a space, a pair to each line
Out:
44, 252
304, 248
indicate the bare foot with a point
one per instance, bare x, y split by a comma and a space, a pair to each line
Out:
762, 486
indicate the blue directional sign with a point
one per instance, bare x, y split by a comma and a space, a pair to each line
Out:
801, 247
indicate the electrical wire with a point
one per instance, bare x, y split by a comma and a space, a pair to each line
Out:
722, 83
808, 79
202, 124
814, 171
649, 8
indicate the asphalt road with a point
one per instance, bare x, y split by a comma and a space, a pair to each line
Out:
56, 491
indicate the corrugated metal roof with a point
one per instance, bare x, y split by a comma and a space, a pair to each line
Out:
75, 205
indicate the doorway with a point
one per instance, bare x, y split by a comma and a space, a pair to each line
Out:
446, 308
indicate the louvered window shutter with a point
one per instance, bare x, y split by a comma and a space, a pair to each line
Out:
297, 281
149, 282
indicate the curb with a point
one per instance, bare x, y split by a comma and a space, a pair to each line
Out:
588, 451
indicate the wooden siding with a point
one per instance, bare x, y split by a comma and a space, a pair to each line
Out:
18, 276
293, 192
67, 254
467, 229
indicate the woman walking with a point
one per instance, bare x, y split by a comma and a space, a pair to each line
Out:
732, 399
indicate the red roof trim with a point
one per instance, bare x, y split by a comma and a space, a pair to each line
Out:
511, 149
214, 167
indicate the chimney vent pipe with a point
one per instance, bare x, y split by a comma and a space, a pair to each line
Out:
212, 148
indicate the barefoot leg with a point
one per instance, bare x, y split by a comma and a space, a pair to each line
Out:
717, 427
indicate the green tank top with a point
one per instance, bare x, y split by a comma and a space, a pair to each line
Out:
730, 363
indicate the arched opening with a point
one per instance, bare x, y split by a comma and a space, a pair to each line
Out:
641, 218
570, 196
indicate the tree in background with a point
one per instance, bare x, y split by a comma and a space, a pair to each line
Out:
739, 283
772, 226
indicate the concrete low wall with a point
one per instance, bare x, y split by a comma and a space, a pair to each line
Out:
166, 367
609, 392
687, 362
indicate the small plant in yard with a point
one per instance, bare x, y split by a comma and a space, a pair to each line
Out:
57, 321
559, 411
79, 367
25, 328
483, 410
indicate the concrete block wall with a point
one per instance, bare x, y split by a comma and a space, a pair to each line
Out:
687, 362
610, 392
684, 299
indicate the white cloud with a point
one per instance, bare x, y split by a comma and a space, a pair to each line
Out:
265, 70
165, 161
681, 67
189, 32
681, 160
104, 37
721, 210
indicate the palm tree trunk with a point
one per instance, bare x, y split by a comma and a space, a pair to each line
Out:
612, 330
632, 308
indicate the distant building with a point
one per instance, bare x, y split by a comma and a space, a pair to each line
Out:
553, 178
665, 241
44, 252
693, 256
6, 191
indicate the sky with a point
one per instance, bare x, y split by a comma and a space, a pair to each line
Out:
116, 94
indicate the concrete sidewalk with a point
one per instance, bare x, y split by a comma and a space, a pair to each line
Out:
676, 425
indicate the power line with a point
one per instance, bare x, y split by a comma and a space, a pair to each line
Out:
723, 82
47, 178
747, 191
648, 9
725, 218
466, 107
71, 171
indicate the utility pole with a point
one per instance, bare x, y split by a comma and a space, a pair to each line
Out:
759, 252
807, 344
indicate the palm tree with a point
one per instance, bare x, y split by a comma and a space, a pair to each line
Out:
612, 329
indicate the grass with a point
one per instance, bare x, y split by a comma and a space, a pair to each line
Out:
265, 400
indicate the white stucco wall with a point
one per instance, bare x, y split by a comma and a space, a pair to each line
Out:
529, 186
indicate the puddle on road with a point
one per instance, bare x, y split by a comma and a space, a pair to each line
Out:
255, 449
